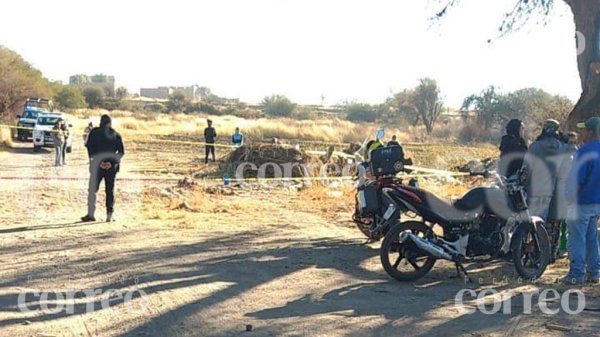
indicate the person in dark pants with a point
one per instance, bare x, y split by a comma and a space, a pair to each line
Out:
105, 150
210, 136
512, 148
67, 134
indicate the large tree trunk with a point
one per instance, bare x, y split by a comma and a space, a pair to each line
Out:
587, 20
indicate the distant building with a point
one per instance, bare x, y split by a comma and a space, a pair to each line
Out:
104, 82
193, 92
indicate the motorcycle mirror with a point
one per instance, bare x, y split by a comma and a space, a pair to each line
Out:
380, 134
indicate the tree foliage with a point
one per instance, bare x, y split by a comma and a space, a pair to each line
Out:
121, 93
420, 105
19, 80
514, 19
178, 101
70, 97
360, 112
93, 96
533, 105
278, 105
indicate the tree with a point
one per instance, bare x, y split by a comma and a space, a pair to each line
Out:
278, 105
18, 80
587, 25
70, 97
428, 103
93, 96
530, 104
402, 104
178, 101
420, 105
121, 93
487, 105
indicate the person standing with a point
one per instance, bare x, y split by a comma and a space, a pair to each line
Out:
105, 150
64, 127
237, 138
583, 195
544, 162
58, 138
561, 204
512, 148
86, 132
210, 137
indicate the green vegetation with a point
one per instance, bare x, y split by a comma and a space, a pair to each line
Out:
19, 80
278, 106
70, 97
93, 97
494, 109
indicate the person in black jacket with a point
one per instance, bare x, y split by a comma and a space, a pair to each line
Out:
105, 151
512, 148
210, 136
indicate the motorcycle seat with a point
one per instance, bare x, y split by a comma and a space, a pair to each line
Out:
441, 210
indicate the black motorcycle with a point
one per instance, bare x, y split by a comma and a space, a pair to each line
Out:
488, 222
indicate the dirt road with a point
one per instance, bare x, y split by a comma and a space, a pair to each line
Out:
267, 261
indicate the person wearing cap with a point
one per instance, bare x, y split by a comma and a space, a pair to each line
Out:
105, 151
583, 195
512, 148
210, 136
544, 162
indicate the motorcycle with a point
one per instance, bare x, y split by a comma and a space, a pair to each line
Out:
488, 221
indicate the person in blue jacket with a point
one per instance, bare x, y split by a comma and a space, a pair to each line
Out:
583, 195
237, 138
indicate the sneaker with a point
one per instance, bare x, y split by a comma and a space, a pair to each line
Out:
88, 218
110, 217
569, 281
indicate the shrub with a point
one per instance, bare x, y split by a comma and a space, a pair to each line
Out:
155, 107
201, 107
359, 112
278, 105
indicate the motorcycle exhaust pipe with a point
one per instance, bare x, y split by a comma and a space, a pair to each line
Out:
425, 245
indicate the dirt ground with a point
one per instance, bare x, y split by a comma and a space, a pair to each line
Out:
274, 261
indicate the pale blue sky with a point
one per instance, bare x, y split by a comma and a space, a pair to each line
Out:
347, 50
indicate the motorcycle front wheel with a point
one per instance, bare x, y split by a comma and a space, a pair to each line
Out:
405, 262
531, 259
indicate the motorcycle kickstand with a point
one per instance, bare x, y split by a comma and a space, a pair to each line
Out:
459, 268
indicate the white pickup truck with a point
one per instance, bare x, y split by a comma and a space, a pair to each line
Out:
42, 136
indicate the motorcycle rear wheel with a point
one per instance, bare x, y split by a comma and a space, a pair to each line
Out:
392, 253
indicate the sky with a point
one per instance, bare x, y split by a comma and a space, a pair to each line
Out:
346, 50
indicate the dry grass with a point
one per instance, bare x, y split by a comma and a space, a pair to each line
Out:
323, 130
5, 137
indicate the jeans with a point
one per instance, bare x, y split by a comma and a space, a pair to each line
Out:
58, 161
540, 206
584, 253
96, 176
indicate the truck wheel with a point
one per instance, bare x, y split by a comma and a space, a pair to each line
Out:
36, 148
